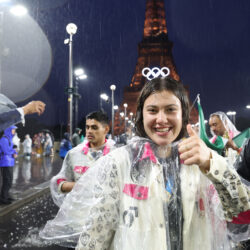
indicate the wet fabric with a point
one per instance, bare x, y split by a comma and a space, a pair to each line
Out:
231, 130
77, 161
120, 203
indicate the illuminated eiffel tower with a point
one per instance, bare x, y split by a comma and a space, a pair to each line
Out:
155, 50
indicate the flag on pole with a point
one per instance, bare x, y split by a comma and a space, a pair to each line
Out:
219, 144
242, 137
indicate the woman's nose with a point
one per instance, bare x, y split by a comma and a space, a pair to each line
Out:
161, 116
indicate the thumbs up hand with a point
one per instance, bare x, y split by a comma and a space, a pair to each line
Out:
194, 151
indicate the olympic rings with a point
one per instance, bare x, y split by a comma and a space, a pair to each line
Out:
155, 72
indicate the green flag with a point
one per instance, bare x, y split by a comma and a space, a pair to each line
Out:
242, 137
218, 145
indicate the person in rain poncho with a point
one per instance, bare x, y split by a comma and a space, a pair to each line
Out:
159, 192
220, 125
83, 156
27, 146
7, 162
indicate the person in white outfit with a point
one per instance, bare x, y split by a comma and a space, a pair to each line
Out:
82, 157
27, 146
164, 190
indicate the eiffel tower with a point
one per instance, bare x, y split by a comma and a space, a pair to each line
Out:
155, 50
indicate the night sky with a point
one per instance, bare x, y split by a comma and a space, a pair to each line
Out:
211, 42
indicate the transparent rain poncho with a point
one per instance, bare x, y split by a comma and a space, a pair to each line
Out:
140, 197
77, 161
231, 130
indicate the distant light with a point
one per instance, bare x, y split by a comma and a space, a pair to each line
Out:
113, 87
104, 96
71, 28
126, 118
205, 121
82, 77
131, 113
122, 114
115, 107
125, 105
79, 72
18, 10
231, 113
248, 106
66, 41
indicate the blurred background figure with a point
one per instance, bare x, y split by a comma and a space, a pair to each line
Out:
48, 145
7, 162
38, 148
76, 139
27, 147
65, 145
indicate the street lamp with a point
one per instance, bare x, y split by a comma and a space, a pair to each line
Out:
112, 87
131, 116
104, 97
71, 29
248, 106
80, 75
125, 105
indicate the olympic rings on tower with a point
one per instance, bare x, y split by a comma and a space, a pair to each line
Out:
155, 72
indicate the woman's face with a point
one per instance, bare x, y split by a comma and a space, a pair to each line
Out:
162, 117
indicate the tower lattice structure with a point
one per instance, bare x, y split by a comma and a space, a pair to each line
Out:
155, 50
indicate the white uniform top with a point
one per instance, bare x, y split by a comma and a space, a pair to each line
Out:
119, 203
75, 164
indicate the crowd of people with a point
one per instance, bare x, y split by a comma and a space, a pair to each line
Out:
165, 188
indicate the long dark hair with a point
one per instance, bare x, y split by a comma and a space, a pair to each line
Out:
159, 85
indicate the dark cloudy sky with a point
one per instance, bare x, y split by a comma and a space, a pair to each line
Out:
211, 50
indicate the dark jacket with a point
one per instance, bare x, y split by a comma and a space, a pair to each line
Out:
243, 164
9, 118
6, 149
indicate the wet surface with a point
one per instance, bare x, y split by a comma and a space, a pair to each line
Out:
19, 229
28, 173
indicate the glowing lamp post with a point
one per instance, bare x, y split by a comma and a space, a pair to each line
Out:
71, 29
80, 75
104, 97
125, 105
112, 87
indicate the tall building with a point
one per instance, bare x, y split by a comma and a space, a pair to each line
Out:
155, 50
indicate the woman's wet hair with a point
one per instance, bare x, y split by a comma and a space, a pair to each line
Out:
159, 85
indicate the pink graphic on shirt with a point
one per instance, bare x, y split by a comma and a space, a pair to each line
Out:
148, 153
80, 169
106, 150
60, 180
85, 149
242, 218
135, 191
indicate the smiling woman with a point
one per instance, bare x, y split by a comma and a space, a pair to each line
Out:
157, 192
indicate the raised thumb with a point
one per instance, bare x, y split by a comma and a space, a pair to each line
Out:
190, 130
